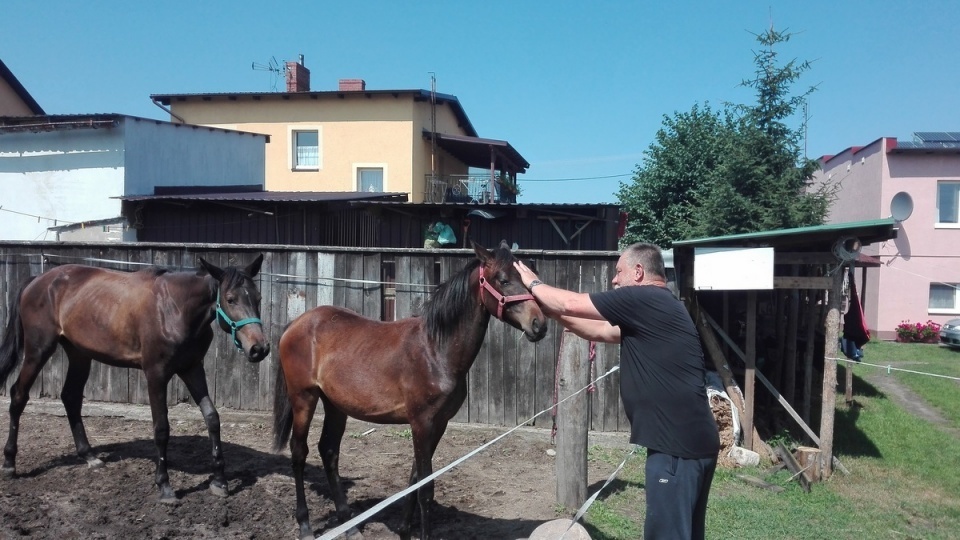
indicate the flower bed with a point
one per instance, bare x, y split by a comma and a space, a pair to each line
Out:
928, 332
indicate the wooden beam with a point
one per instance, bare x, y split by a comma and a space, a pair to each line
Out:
829, 399
572, 419
719, 360
751, 361
801, 282
822, 257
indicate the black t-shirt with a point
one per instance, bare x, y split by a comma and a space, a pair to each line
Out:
661, 371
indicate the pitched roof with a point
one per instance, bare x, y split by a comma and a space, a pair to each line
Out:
22, 93
417, 95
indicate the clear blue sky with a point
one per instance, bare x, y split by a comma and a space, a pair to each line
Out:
578, 88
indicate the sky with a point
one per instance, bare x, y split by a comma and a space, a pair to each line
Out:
580, 89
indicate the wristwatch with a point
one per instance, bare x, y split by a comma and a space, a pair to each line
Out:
533, 284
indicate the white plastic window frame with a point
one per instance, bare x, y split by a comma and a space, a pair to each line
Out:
292, 146
357, 167
947, 225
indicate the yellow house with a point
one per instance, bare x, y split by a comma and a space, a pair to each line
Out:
355, 139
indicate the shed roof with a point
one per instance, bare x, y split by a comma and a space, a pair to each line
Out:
271, 196
815, 237
476, 152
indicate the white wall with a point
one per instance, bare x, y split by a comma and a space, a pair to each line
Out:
165, 154
60, 175
55, 178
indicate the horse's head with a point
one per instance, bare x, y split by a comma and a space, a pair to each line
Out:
238, 307
503, 294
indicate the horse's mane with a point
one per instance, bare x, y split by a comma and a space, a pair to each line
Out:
155, 271
443, 310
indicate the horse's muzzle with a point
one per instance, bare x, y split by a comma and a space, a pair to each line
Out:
538, 329
258, 352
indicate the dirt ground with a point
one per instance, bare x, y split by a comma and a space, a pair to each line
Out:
504, 492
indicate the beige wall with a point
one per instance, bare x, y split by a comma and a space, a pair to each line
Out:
355, 131
10, 102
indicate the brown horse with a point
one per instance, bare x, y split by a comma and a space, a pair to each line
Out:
154, 320
412, 371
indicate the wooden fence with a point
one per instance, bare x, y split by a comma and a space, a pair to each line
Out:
511, 380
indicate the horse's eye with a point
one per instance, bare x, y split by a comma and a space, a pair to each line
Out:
504, 282
231, 300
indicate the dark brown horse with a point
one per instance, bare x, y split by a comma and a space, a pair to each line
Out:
412, 371
154, 320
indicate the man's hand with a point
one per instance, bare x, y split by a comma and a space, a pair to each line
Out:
526, 275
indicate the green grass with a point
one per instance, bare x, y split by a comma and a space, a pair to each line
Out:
939, 392
904, 481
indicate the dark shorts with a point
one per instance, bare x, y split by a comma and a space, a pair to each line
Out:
677, 491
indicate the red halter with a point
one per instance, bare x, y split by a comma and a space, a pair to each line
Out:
501, 299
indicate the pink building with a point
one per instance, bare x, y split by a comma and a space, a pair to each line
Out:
919, 274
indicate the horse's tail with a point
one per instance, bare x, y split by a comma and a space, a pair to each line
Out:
11, 349
282, 410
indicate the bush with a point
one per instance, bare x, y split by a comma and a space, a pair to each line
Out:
928, 332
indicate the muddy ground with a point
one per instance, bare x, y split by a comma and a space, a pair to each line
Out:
504, 492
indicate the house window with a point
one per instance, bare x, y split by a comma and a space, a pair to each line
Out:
306, 149
948, 202
370, 179
943, 298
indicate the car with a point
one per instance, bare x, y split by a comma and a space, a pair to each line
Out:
950, 333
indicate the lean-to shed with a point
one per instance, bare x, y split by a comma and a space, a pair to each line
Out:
771, 302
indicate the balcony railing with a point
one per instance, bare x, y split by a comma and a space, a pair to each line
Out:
467, 188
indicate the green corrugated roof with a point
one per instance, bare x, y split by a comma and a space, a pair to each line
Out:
876, 230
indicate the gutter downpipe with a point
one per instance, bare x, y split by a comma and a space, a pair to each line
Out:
182, 121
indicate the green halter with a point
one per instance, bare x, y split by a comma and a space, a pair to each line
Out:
234, 325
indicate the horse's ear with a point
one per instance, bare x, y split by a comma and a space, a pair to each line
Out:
504, 245
214, 270
253, 268
482, 253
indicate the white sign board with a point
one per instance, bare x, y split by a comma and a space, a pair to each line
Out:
732, 269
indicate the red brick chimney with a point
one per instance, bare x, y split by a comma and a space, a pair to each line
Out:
298, 76
352, 85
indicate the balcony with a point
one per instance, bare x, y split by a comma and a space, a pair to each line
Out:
469, 188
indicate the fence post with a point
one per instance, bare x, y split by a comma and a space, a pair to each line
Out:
573, 420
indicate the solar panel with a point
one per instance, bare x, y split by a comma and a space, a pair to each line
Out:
937, 136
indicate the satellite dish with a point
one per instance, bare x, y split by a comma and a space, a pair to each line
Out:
901, 206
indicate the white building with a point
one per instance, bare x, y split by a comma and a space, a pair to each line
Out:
69, 170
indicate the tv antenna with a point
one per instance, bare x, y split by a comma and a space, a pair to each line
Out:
273, 67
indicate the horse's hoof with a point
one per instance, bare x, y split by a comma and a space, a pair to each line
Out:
95, 463
306, 533
220, 490
167, 496
7, 472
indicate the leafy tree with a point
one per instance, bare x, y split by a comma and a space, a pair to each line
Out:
734, 171
687, 157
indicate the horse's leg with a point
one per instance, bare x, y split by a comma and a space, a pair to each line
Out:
426, 437
196, 381
78, 371
35, 355
334, 424
157, 390
303, 409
